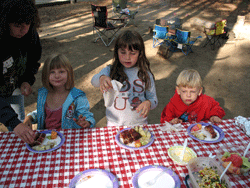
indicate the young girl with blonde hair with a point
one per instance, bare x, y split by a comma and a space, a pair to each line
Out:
60, 105
130, 67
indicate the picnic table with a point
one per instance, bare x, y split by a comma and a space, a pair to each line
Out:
97, 148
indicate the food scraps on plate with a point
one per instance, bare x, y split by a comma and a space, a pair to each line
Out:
135, 137
39, 139
204, 132
78, 184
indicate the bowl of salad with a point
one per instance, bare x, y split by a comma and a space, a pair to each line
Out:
205, 172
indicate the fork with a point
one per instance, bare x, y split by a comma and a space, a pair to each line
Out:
152, 181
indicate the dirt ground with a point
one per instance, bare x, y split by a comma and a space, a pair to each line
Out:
67, 29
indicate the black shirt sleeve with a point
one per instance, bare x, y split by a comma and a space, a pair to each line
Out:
7, 115
34, 51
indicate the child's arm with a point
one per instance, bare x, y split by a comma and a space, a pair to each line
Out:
150, 93
81, 121
216, 112
151, 99
82, 110
175, 121
215, 119
144, 108
105, 83
95, 81
167, 114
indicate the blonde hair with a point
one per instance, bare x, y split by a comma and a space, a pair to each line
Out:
57, 61
189, 78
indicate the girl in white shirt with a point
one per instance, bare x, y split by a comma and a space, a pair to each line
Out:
130, 67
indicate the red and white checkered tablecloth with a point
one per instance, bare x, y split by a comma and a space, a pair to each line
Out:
96, 148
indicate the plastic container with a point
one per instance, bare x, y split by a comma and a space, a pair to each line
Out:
233, 149
199, 163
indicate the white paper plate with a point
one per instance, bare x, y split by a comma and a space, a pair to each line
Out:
99, 178
59, 142
169, 178
121, 144
219, 132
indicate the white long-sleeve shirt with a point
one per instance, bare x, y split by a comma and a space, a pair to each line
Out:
122, 112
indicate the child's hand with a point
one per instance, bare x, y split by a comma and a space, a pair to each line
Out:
175, 121
26, 89
28, 121
105, 83
81, 121
215, 119
144, 107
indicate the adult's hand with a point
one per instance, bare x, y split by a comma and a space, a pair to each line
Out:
26, 89
28, 121
25, 133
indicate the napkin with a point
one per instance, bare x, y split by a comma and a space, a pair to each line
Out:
110, 95
169, 127
243, 123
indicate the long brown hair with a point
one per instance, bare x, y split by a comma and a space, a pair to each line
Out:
133, 41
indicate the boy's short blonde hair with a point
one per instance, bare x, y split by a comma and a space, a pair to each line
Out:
189, 78
56, 61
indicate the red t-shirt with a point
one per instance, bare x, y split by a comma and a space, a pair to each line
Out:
53, 118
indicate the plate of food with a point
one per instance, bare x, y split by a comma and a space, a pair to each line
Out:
94, 178
46, 141
147, 173
134, 138
175, 152
235, 154
205, 132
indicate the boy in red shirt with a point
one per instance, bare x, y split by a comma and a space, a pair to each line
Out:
189, 104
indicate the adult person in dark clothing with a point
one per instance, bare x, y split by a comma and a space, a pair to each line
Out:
19, 56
